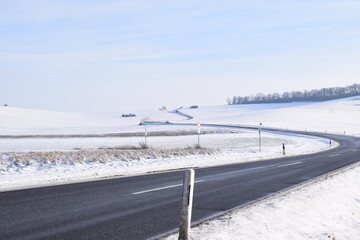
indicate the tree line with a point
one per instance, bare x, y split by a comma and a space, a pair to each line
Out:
315, 95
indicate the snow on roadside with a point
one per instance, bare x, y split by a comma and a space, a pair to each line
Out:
233, 148
328, 209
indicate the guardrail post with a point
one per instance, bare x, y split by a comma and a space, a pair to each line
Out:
146, 133
187, 201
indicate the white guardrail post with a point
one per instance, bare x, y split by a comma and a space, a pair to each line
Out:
198, 132
187, 201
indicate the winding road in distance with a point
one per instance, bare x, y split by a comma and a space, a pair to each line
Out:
144, 207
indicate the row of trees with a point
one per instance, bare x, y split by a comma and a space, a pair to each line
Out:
315, 95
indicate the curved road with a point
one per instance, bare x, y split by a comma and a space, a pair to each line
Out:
143, 207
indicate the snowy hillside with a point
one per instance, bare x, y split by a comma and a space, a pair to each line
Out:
334, 116
19, 121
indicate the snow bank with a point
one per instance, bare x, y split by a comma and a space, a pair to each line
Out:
328, 209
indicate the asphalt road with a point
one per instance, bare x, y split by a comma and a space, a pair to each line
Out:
142, 207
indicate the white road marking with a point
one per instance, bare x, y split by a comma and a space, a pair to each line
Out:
289, 164
334, 155
354, 150
162, 188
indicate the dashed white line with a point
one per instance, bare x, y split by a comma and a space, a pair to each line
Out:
334, 155
162, 188
289, 164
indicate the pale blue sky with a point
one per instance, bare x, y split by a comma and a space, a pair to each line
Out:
85, 55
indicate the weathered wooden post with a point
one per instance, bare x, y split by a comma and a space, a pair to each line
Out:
187, 201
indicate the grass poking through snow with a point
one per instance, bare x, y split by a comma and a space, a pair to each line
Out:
103, 155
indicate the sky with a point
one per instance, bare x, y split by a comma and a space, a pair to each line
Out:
109, 55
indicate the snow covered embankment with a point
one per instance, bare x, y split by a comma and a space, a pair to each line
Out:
328, 209
26, 169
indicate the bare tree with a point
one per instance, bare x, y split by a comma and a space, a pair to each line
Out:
322, 94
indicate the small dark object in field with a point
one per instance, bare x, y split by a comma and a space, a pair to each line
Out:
129, 115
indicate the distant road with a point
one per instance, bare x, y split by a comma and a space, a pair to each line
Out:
145, 206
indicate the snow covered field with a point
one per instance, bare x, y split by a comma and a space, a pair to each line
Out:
325, 210
334, 116
19, 121
225, 140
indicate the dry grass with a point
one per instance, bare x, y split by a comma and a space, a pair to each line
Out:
99, 156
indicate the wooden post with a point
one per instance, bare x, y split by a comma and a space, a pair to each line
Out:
187, 201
